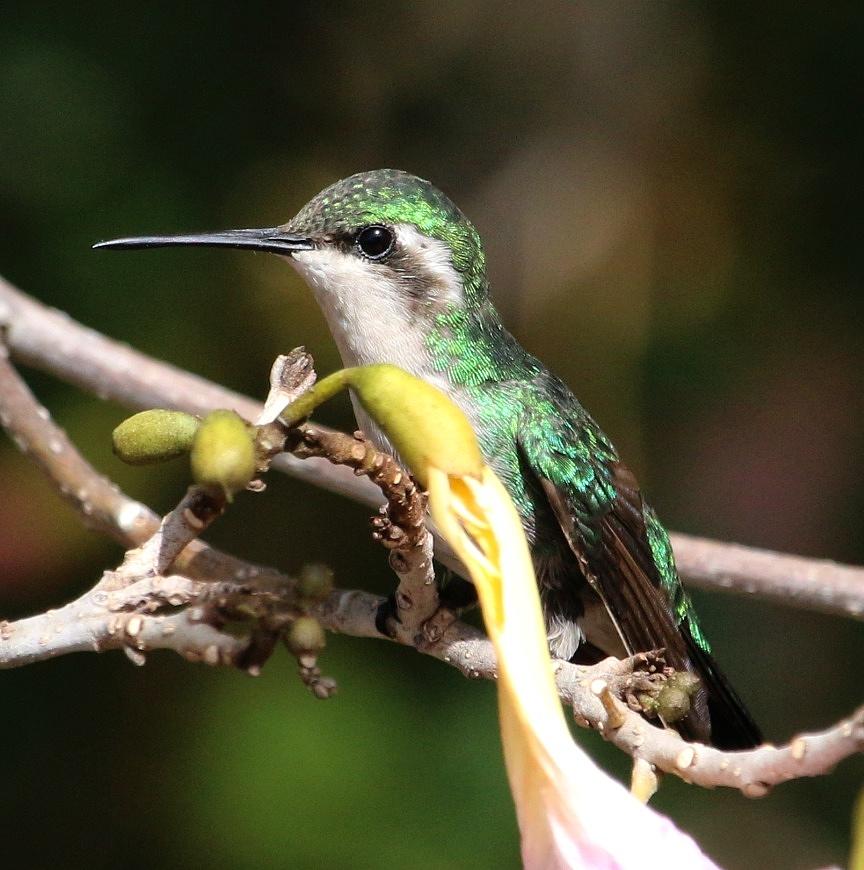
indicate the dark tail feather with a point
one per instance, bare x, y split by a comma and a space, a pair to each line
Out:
731, 725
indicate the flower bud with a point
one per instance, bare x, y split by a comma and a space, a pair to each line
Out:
315, 582
223, 453
154, 436
424, 425
305, 636
674, 699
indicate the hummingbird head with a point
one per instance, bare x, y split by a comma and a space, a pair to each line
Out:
390, 234
385, 253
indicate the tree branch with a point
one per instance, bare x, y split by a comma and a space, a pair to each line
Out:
53, 342
139, 608
132, 618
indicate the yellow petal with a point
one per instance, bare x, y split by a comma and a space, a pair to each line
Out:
856, 859
571, 814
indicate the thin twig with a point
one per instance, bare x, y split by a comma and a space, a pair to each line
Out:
198, 508
99, 502
400, 526
101, 505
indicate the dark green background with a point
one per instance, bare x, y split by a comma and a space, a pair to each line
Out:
671, 199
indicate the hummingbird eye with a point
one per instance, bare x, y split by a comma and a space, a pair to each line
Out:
375, 241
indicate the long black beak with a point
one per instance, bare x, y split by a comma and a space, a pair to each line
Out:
274, 241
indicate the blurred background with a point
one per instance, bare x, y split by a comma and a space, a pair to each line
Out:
670, 194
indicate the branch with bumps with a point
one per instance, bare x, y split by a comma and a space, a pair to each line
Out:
172, 591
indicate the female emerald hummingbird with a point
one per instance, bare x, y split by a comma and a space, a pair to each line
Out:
400, 275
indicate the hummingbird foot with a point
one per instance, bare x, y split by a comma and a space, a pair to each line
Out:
454, 596
434, 628
389, 622
387, 618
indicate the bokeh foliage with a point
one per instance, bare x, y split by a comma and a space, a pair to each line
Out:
670, 197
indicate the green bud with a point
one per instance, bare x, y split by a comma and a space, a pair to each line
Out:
685, 681
672, 703
424, 425
647, 702
305, 636
154, 436
223, 453
315, 581
674, 699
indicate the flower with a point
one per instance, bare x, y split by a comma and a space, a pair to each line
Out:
571, 814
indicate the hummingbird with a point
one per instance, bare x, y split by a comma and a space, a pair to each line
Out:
400, 275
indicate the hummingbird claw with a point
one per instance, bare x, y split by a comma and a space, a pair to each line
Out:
433, 629
386, 615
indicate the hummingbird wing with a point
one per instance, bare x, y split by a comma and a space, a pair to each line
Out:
625, 556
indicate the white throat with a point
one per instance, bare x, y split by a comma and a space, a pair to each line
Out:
369, 308
371, 314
